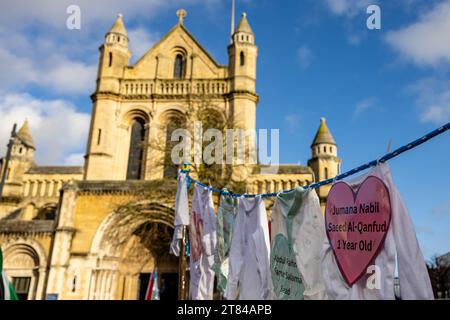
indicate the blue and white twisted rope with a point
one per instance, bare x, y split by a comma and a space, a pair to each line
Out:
341, 176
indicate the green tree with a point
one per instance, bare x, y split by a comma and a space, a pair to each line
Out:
439, 271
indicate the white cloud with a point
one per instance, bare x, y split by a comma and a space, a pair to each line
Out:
70, 77
436, 114
348, 7
305, 56
356, 31
15, 71
425, 42
55, 73
65, 61
433, 99
74, 159
53, 13
22, 13
58, 129
141, 41
364, 105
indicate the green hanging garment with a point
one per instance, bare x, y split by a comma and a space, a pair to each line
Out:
226, 217
7, 291
298, 233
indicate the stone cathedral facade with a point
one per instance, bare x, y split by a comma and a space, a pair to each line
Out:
98, 231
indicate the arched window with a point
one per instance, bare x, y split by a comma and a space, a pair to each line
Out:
179, 68
325, 149
23, 265
46, 213
110, 59
326, 173
242, 59
136, 155
331, 149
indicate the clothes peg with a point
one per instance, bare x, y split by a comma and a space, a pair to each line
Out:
225, 192
186, 167
388, 149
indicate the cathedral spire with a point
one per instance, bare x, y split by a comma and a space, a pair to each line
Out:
243, 33
117, 36
243, 25
25, 136
323, 135
119, 26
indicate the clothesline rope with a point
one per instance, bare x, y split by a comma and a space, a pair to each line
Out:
341, 176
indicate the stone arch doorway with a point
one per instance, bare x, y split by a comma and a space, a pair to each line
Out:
25, 265
130, 244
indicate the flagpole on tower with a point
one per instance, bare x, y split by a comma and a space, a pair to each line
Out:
232, 18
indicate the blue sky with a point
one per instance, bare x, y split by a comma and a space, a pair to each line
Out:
316, 58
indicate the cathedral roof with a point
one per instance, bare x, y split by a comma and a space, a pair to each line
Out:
323, 135
119, 26
244, 26
55, 170
180, 27
24, 135
10, 224
283, 169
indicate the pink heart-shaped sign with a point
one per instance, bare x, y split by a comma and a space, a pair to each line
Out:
357, 224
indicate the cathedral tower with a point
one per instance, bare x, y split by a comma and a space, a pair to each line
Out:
243, 54
114, 59
22, 159
324, 160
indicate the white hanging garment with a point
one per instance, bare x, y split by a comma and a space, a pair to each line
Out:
226, 216
202, 236
400, 241
249, 275
298, 233
181, 214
